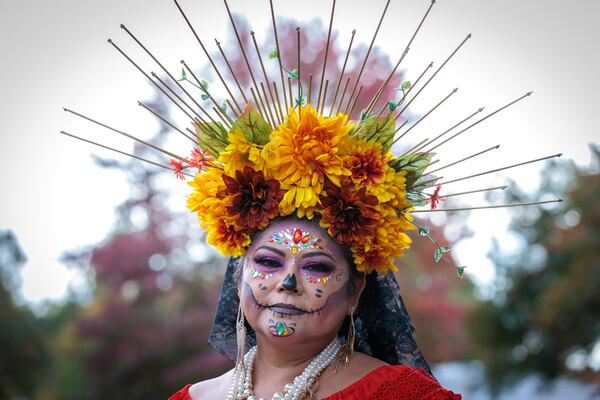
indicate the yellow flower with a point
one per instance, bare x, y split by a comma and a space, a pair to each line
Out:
207, 185
307, 154
238, 153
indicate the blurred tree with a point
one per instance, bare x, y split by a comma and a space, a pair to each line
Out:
22, 353
544, 317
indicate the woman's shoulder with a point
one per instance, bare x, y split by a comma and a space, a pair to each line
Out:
215, 388
394, 382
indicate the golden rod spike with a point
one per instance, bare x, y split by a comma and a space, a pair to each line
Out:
279, 101
224, 117
412, 149
355, 101
325, 58
424, 185
232, 109
310, 83
198, 117
269, 106
343, 95
455, 125
406, 49
168, 73
278, 52
324, 96
259, 108
467, 192
262, 66
465, 159
424, 116
150, 79
492, 206
291, 95
121, 152
412, 86
163, 119
233, 74
124, 134
299, 78
368, 53
435, 73
239, 40
483, 119
337, 87
501, 169
208, 56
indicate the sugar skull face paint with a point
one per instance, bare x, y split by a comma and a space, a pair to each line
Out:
295, 239
296, 283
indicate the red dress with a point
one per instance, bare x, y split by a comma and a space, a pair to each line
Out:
391, 382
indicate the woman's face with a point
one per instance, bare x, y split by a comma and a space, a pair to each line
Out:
296, 284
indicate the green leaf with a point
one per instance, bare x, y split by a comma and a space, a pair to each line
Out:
438, 254
274, 54
460, 271
204, 96
300, 101
417, 199
445, 249
392, 105
423, 231
212, 136
204, 85
223, 107
293, 74
183, 75
255, 128
380, 129
406, 85
413, 164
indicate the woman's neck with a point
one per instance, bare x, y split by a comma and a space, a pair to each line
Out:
275, 366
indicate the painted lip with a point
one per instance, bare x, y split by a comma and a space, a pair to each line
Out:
290, 309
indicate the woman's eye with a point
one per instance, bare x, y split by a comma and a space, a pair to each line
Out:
267, 262
319, 267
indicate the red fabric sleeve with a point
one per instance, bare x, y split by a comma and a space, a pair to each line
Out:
395, 382
182, 394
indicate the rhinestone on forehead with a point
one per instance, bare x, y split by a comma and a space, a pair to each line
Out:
296, 239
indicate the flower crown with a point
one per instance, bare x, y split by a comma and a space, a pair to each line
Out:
256, 164
310, 165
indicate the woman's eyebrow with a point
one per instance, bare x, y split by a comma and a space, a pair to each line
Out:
316, 254
273, 249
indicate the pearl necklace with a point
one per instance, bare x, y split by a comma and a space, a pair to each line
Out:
241, 388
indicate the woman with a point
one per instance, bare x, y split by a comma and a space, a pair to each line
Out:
298, 300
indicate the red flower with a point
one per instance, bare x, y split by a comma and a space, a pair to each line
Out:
349, 216
435, 197
366, 166
178, 167
251, 199
200, 159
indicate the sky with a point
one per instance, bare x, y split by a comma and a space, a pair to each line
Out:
55, 54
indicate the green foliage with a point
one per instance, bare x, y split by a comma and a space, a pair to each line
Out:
414, 165
545, 307
274, 54
380, 129
255, 128
212, 136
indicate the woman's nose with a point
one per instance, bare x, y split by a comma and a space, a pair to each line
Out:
289, 283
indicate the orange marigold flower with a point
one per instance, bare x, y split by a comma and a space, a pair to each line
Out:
251, 199
349, 216
308, 154
226, 238
365, 160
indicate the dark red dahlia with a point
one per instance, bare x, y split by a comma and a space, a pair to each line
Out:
251, 199
349, 216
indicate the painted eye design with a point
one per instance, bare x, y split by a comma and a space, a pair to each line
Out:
267, 262
319, 268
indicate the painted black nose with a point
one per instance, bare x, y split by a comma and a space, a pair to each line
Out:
289, 282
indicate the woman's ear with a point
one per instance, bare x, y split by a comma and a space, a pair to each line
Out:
359, 284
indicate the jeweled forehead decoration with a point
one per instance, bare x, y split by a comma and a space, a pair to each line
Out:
296, 239
286, 145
